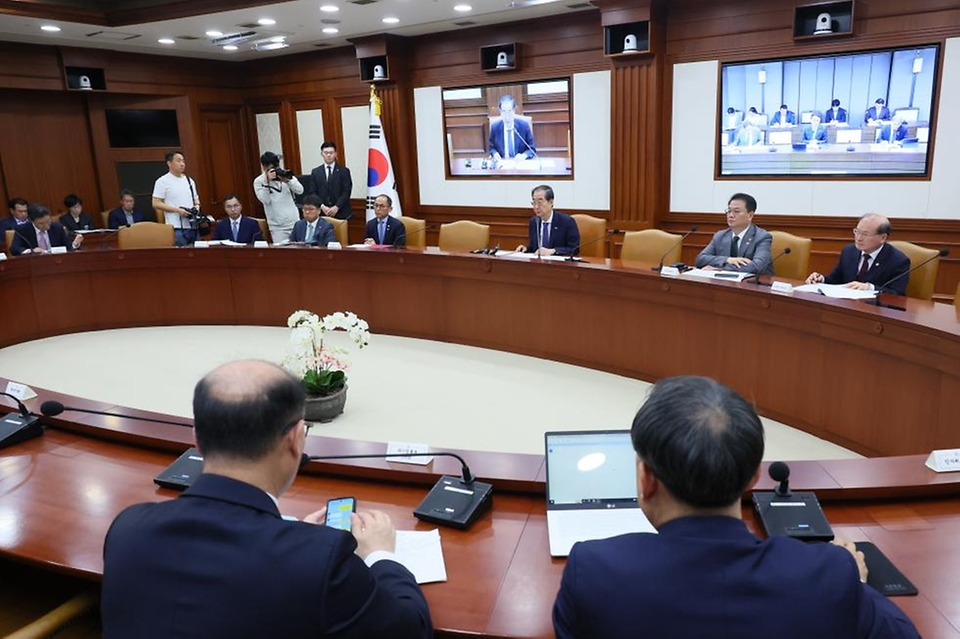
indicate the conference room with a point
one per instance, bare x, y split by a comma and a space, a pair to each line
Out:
627, 133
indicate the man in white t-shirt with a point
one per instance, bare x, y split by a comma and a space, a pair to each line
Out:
174, 193
276, 193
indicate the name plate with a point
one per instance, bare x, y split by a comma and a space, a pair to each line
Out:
3, 256
57, 250
201, 244
20, 391
334, 245
261, 244
394, 448
944, 461
669, 271
781, 287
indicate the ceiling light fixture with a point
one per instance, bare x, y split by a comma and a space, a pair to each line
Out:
266, 22
272, 46
463, 8
167, 41
391, 20
213, 33
331, 30
230, 47
51, 28
329, 8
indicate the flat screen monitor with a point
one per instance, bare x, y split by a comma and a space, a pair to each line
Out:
779, 137
904, 78
142, 128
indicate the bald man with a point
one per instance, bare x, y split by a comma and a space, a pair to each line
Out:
219, 561
869, 262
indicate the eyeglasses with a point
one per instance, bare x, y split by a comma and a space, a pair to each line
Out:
858, 233
735, 211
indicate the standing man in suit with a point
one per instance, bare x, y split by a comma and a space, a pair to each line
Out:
384, 228
877, 112
220, 561
511, 136
124, 215
742, 246
41, 234
869, 262
784, 117
815, 132
699, 447
18, 217
550, 232
311, 229
75, 219
331, 182
836, 113
236, 227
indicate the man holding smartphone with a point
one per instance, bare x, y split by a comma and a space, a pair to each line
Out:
220, 561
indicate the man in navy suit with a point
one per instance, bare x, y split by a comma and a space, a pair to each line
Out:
236, 226
835, 113
742, 246
511, 136
311, 229
895, 131
18, 217
550, 232
877, 112
384, 228
815, 132
869, 262
124, 215
220, 561
331, 182
42, 234
784, 117
699, 447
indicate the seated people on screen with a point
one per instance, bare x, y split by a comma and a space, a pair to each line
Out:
784, 117
236, 227
312, 229
869, 262
893, 131
384, 228
331, 182
41, 234
511, 136
176, 194
704, 574
754, 117
18, 217
276, 193
732, 119
75, 219
124, 215
877, 112
815, 131
742, 246
220, 561
550, 232
836, 114
749, 134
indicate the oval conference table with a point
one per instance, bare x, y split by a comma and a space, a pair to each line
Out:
882, 381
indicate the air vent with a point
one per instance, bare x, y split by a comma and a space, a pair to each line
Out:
362, 2
112, 35
234, 38
249, 25
321, 45
329, 21
190, 37
465, 23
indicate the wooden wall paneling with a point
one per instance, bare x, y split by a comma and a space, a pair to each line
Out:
29, 66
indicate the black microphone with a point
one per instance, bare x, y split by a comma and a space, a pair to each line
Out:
532, 150
606, 233
786, 251
52, 408
26, 241
780, 472
20, 426
940, 253
405, 235
676, 244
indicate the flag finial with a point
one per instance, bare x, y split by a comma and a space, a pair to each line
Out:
375, 100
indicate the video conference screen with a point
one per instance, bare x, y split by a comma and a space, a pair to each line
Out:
515, 129
867, 113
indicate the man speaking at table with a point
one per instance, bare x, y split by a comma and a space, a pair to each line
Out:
742, 246
551, 232
704, 575
219, 561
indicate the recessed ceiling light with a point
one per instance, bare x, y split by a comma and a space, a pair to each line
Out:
331, 30
230, 47
330, 8
273, 46
391, 20
266, 22
167, 41
213, 33
52, 28
463, 8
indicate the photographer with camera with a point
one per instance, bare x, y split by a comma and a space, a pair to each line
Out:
275, 188
176, 195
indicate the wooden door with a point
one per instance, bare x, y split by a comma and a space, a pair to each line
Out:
224, 145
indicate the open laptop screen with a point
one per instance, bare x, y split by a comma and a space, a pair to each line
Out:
591, 469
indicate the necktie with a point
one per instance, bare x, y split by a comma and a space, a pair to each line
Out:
544, 234
734, 245
329, 172
864, 268
309, 237
44, 241
236, 229
382, 230
511, 151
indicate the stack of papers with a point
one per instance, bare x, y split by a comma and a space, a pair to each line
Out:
730, 276
836, 291
421, 554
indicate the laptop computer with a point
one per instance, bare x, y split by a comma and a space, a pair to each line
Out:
591, 487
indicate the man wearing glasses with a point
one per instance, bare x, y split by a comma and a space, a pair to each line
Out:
550, 232
742, 246
869, 262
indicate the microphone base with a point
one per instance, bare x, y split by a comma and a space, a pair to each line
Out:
15, 428
451, 502
657, 268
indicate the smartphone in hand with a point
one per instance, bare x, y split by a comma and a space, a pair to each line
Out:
338, 512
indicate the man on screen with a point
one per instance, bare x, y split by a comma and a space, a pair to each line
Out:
894, 131
784, 117
742, 246
836, 113
815, 132
511, 136
877, 112
550, 232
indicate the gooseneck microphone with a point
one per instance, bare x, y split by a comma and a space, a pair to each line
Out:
53, 408
780, 472
940, 253
405, 235
465, 474
573, 257
659, 267
19, 426
786, 251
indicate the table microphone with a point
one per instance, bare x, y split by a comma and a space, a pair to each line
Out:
573, 257
453, 501
786, 251
19, 426
676, 244
53, 408
780, 472
405, 235
940, 253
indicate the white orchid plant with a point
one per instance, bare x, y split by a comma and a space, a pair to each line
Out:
322, 368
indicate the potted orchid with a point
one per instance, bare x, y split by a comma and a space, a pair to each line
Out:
321, 367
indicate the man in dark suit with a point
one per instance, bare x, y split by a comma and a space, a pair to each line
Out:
511, 136
784, 117
311, 229
895, 131
75, 219
835, 113
236, 227
42, 234
550, 232
877, 112
18, 217
815, 132
699, 447
220, 561
124, 215
331, 182
384, 228
869, 262
742, 246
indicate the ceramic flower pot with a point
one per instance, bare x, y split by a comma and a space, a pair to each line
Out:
325, 408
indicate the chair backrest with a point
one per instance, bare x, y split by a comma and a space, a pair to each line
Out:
794, 265
463, 236
956, 297
416, 237
104, 219
924, 279
591, 229
340, 229
264, 229
145, 235
161, 216
650, 245
9, 240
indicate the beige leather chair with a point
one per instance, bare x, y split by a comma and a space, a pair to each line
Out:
340, 229
463, 236
416, 236
794, 266
104, 219
956, 297
650, 245
923, 280
50, 624
161, 216
591, 229
264, 228
145, 235
9, 240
